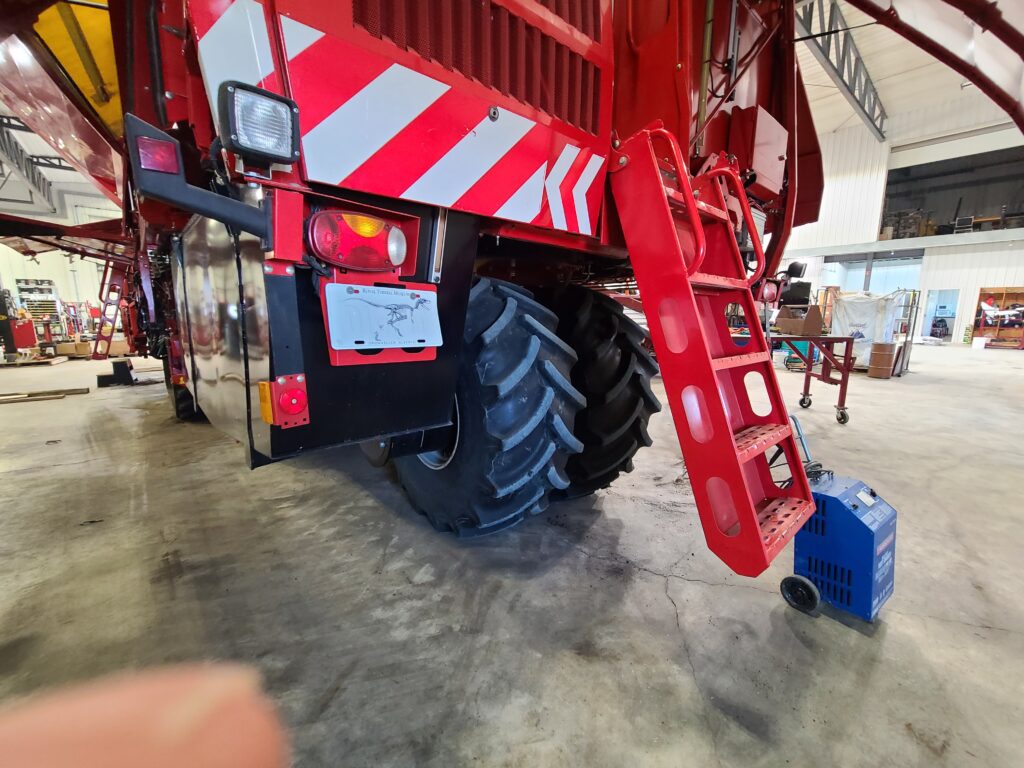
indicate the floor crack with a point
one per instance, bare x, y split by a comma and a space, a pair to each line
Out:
693, 670
623, 560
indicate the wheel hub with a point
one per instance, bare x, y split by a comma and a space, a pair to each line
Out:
442, 457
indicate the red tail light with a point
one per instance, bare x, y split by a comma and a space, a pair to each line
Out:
158, 155
357, 241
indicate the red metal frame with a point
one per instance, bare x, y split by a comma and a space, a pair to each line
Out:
115, 277
831, 361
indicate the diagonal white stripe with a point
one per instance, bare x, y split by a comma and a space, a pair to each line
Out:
350, 135
524, 205
466, 163
554, 181
297, 36
579, 193
237, 47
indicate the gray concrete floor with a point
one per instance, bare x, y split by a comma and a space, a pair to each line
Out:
602, 634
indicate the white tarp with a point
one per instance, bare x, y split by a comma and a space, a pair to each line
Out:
868, 318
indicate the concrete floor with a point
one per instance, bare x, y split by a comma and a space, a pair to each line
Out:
602, 634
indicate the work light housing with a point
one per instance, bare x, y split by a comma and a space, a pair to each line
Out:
259, 126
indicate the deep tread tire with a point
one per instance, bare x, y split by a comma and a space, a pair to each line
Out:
517, 409
614, 373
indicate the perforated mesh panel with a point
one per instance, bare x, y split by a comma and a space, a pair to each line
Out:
484, 41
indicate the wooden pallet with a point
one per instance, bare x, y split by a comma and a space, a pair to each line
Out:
37, 361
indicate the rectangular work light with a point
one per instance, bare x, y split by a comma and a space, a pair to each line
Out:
259, 126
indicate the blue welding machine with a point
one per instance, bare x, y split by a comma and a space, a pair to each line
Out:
845, 553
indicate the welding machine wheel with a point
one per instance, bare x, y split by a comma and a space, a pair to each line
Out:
515, 409
800, 593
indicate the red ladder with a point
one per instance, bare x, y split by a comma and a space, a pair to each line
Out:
112, 292
688, 266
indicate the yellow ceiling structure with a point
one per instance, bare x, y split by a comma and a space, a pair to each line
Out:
79, 37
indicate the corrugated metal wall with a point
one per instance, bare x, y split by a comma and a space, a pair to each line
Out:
971, 268
856, 164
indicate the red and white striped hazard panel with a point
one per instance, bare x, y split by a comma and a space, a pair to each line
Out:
372, 124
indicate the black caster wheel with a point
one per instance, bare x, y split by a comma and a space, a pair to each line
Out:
800, 593
805, 401
842, 416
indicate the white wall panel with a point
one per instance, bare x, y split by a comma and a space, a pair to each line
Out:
969, 269
856, 164
959, 145
967, 110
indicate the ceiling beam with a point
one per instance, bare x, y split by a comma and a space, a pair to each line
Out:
53, 162
12, 123
820, 24
18, 160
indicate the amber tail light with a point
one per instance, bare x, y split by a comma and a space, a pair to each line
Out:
357, 241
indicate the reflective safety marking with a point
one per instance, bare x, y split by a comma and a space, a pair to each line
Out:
554, 181
524, 205
357, 129
237, 47
465, 163
297, 36
579, 193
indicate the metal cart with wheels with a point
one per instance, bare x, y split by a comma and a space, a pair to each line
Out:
835, 368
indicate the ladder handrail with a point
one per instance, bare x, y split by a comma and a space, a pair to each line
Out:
686, 189
730, 175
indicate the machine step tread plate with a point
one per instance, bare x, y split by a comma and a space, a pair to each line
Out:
754, 441
779, 519
740, 361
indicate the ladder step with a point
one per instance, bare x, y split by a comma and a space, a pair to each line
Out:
718, 281
753, 441
777, 517
739, 361
707, 212
711, 213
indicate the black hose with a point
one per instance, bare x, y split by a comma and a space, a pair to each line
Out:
156, 73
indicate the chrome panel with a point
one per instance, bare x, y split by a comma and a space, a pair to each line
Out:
218, 332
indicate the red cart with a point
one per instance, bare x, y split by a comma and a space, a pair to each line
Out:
834, 368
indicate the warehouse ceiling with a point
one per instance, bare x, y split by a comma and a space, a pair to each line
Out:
905, 77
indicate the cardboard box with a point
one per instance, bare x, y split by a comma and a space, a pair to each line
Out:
800, 321
83, 348
66, 348
118, 348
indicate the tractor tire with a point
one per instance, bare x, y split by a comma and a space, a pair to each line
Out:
185, 408
614, 373
515, 408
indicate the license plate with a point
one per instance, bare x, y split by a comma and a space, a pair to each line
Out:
373, 317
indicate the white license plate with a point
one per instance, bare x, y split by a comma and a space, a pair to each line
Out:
371, 317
